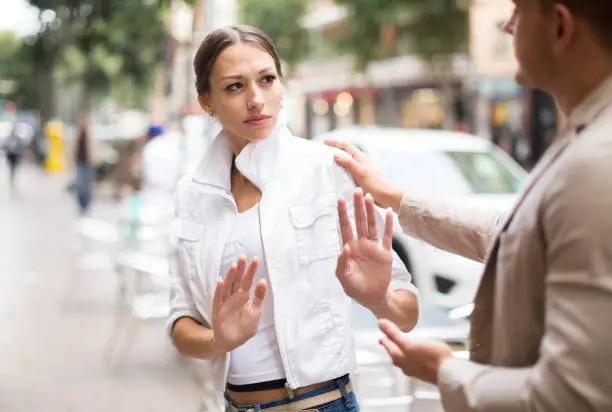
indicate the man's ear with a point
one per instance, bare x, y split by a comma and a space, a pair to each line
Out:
566, 27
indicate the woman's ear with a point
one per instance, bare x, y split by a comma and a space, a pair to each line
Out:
204, 102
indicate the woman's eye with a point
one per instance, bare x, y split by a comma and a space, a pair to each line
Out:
269, 78
234, 87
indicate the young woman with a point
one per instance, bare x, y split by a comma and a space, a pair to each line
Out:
277, 327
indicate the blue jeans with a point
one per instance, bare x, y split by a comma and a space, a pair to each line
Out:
348, 403
84, 185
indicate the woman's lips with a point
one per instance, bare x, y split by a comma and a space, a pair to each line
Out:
258, 121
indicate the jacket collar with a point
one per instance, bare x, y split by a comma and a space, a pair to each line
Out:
593, 105
257, 161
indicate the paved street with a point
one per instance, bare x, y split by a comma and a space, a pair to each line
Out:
51, 346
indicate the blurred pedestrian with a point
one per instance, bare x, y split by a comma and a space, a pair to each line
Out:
540, 328
278, 329
14, 148
84, 165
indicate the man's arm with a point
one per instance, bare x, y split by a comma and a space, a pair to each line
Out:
573, 372
456, 227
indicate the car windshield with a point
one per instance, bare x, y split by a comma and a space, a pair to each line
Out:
448, 173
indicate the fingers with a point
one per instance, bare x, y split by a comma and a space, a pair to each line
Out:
394, 334
342, 265
392, 349
347, 147
346, 229
387, 239
247, 279
228, 281
218, 298
237, 280
371, 217
354, 167
360, 214
260, 294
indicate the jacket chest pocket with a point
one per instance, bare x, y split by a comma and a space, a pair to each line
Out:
316, 229
188, 234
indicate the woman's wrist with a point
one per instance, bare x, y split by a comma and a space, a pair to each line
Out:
381, 308
218, 347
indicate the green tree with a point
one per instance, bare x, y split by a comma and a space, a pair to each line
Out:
116, 44
95, 43
280, 20
437, 29
43, 49
16, 72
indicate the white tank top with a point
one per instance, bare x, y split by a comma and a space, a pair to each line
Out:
258, 359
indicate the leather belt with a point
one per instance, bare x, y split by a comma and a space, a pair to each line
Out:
308, 404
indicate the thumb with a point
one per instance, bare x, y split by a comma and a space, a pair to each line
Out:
260, 294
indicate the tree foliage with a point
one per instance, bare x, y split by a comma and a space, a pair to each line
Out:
97, 44
117, 42
280, 20
436, 29
17, 70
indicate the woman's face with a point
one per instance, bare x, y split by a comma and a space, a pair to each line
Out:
245, 93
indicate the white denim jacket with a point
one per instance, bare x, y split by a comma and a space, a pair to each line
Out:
300, 185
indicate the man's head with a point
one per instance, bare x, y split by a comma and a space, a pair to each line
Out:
557, 40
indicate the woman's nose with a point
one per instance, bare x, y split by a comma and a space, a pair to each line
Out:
256, 99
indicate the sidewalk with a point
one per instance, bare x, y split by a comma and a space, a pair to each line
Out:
51, 347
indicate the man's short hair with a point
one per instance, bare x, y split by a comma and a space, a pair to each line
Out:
597, 12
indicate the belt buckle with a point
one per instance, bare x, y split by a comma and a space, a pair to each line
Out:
233, 408
289, 391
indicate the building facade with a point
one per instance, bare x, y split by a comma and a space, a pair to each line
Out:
399, 91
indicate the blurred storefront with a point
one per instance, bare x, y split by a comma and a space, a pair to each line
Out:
400, 91
403, 106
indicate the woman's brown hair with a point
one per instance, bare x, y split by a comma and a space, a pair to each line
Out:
220, 39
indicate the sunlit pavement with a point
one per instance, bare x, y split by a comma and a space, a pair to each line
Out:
52, 342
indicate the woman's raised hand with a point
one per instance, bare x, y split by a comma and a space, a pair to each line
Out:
235, 313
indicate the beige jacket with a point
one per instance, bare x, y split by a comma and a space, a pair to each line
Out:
541, 330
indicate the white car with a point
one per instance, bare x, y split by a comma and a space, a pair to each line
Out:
442, 164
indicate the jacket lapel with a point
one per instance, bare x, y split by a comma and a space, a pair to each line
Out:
480, 321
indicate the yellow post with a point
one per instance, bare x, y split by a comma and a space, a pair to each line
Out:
54, 163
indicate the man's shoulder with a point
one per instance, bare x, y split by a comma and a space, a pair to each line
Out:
583, 179
592, 152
